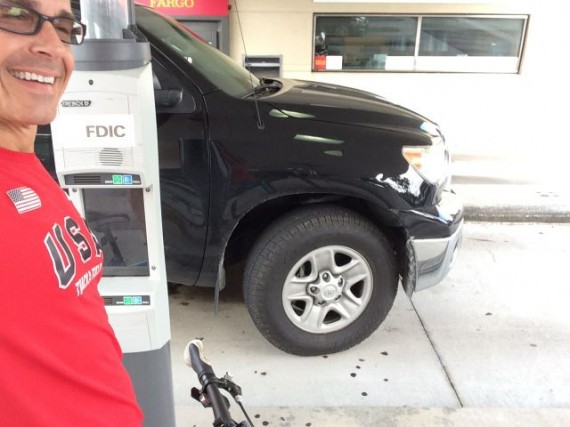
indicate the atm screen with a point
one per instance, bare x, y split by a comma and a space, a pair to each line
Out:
116, 217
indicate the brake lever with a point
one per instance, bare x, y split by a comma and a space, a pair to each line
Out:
231, 387
202, 397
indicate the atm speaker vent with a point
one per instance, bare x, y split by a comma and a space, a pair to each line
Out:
111, 157
93, 157
108, 300
86, 179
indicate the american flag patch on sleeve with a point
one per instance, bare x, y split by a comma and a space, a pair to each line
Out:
25, 199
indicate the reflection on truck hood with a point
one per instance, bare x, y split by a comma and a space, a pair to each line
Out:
339, 104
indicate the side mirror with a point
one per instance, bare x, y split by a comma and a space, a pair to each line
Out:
173, 101
167, 98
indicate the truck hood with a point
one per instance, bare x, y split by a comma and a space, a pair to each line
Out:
343, 105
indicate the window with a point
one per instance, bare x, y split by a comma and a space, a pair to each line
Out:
221, 70
419, 43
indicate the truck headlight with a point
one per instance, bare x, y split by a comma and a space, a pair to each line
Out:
430, 161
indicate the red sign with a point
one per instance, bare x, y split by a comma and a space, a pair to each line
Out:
320, 62
188, 7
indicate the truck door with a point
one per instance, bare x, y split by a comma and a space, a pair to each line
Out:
184, 166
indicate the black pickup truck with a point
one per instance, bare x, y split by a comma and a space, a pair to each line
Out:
330, 196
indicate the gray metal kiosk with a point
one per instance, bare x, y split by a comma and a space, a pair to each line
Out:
106, 156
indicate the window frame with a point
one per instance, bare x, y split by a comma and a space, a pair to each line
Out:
434, 64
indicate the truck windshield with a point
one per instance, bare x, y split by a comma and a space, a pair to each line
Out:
221, 70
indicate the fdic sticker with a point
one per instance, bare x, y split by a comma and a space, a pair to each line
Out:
97, 130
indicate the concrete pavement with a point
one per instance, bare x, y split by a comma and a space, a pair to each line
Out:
531, 187
489, 346
514, 202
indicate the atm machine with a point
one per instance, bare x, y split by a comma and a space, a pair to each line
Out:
106, 157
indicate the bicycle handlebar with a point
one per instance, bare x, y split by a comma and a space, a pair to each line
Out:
194, 358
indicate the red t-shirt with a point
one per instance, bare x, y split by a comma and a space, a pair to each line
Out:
60, 363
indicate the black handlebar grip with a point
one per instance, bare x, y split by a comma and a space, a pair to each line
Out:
194, 357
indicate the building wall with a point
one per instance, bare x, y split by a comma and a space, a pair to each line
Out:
516, 114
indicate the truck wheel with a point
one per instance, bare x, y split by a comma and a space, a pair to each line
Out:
320, 280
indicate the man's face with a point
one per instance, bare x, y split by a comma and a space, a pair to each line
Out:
34, 70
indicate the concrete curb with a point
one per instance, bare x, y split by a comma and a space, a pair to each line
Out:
367, 416
514, 203
516, 214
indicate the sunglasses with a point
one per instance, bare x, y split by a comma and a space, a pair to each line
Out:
27, 22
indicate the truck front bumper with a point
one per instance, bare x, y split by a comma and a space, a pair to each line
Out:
434, 239
435, 257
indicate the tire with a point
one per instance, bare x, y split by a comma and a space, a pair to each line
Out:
320, 280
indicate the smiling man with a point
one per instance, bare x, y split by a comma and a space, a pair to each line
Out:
61, 363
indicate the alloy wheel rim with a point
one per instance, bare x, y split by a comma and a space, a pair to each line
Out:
327, 289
